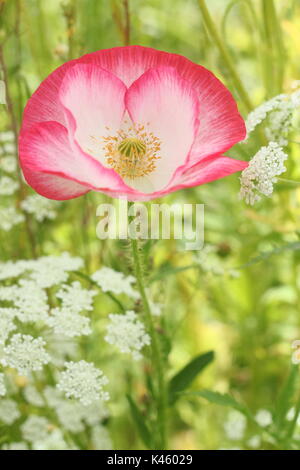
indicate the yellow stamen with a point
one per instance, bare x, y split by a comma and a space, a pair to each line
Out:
132, 152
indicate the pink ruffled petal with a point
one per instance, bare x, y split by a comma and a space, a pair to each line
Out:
168, 107
52, 186
46, 148
94, 105
208, 171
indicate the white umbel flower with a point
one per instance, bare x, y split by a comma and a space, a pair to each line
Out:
83, 381
235, 426
263, 418
7, 324
53, 441
2, 385
101, 439
25, 354
280, 110
75, 298
260, 113
35, 428
7, 186
40, 207
127, 333
259, 177
9, 217
49, 271
65, 322
69, 416
31, 302
296, 353
8, 164
7, 136
113, 281
15, 446
9, 411
33, 396
2, 92
11, 269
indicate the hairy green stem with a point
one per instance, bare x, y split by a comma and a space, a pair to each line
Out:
157, 361
209, 23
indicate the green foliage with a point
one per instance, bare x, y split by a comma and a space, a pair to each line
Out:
187, 374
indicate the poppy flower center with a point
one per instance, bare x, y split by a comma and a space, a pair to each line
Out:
132, 152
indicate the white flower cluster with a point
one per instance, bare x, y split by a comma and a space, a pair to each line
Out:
8, 164
67, 320
47, 271
53, 441
2, 92
100, 438
83, 381
25, 354
40, 207
235, 426
68, 323
7, 324
75, 298
9, 411
2, 385
296, 353
127, 333
35, 428
8, 186
280, 110
9, 217
259, 177
263, 418
113, 281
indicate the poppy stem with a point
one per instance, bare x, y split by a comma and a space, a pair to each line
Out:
157, 361
209, 23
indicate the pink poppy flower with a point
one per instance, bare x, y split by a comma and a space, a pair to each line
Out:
128, 121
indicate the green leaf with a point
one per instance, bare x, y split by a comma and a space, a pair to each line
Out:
284, 401
223, 399
185, 376
139, 420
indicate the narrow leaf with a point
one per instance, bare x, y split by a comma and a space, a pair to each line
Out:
139, 420
185, 376
223, 399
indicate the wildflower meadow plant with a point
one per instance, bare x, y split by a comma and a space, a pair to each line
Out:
139, 342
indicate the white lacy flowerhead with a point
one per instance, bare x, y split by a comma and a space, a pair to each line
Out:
7, 186
2, 92
9, 217
127, 333
9, 411
115, 282
7, 324
235, 425
40, 207
8, 164
263, 418
53, 441
83, 381
296, 353
35, 428
259, 177
2, 385
280, 111
75, 298
25, 354
68, 323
